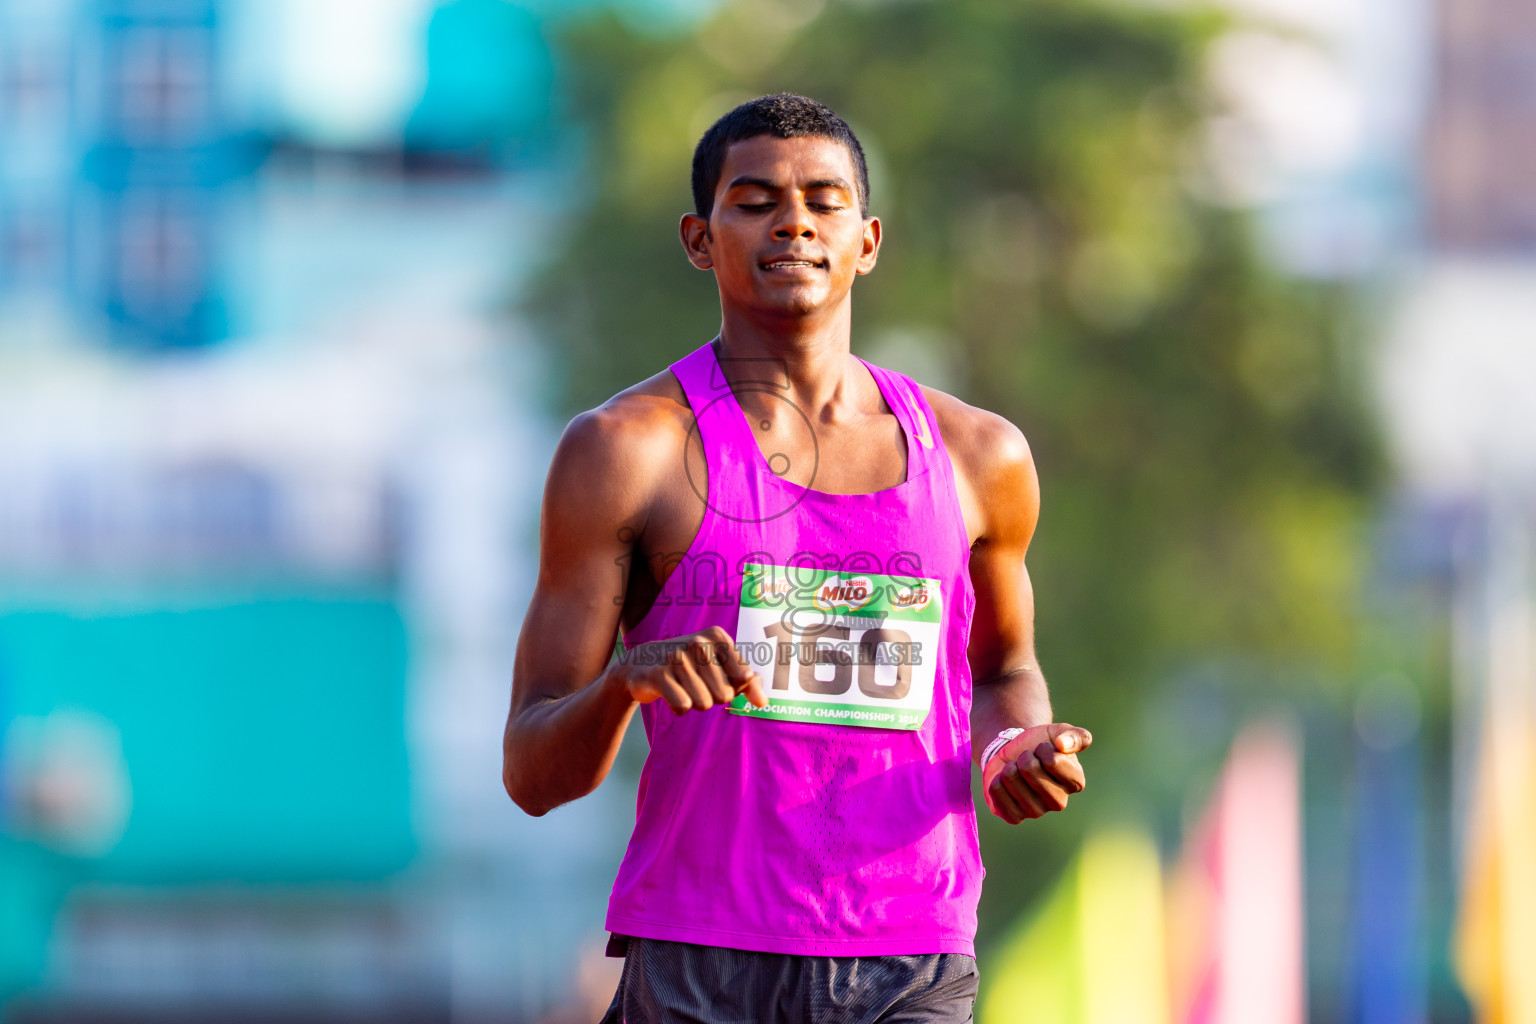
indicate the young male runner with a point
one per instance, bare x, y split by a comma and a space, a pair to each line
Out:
805, 845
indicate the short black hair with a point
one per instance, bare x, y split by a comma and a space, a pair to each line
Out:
783, 115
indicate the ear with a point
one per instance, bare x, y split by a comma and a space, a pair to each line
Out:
871, 250
694, 232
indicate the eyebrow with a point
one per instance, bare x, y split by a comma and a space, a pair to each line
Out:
776, 186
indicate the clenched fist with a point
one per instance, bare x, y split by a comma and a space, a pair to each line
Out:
1035, 772
691, 673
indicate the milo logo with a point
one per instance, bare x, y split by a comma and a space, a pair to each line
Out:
913, 598
851, 594
770, 589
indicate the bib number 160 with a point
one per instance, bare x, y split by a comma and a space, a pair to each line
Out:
813, 652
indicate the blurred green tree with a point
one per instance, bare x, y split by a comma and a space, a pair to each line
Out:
1052, 252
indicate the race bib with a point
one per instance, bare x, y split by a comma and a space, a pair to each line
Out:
840, 648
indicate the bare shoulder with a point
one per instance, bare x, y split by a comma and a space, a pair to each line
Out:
981, 443
994, 468
651, 413
617, 453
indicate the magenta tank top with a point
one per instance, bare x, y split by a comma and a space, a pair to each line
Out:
839, 820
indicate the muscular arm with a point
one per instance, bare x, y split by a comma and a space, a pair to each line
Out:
568, 712
1000, 496
570, 707
1007, 685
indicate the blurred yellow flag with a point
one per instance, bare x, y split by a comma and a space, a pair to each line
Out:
1092, 951
1495, 942
1495, 945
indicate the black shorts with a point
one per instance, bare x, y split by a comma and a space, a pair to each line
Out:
675, 982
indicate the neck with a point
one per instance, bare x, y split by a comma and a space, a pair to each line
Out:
812, 351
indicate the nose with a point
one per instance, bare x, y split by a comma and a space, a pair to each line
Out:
795, 223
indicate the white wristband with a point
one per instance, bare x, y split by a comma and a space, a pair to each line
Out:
997, 744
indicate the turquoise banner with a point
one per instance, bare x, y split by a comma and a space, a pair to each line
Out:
264, 740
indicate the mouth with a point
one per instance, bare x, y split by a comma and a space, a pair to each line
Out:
790, 263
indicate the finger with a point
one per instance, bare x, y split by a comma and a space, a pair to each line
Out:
706, 665
1003, 803
731, 662
1047, 790
754, 691
1023, 794
676, 697
1066, 769
688, 677
1069, 739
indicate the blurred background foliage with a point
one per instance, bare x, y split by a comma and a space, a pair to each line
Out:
1055, 250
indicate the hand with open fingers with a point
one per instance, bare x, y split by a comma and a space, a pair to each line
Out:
1035, 772
692, 673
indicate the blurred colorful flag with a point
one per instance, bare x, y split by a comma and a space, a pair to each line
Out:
1386, 964
1235, 898
1495, 944
1092, 951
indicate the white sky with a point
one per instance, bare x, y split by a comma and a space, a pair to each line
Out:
1344, 87
1457, 380
342, 72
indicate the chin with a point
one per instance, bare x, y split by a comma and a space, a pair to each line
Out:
797, 302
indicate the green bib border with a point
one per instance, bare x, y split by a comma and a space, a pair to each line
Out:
862, 715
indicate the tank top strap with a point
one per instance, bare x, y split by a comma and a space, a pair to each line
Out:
692, 373
924, 449
722, 428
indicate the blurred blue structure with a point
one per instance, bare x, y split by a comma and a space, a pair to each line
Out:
157, 158
39, 152
114, 157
